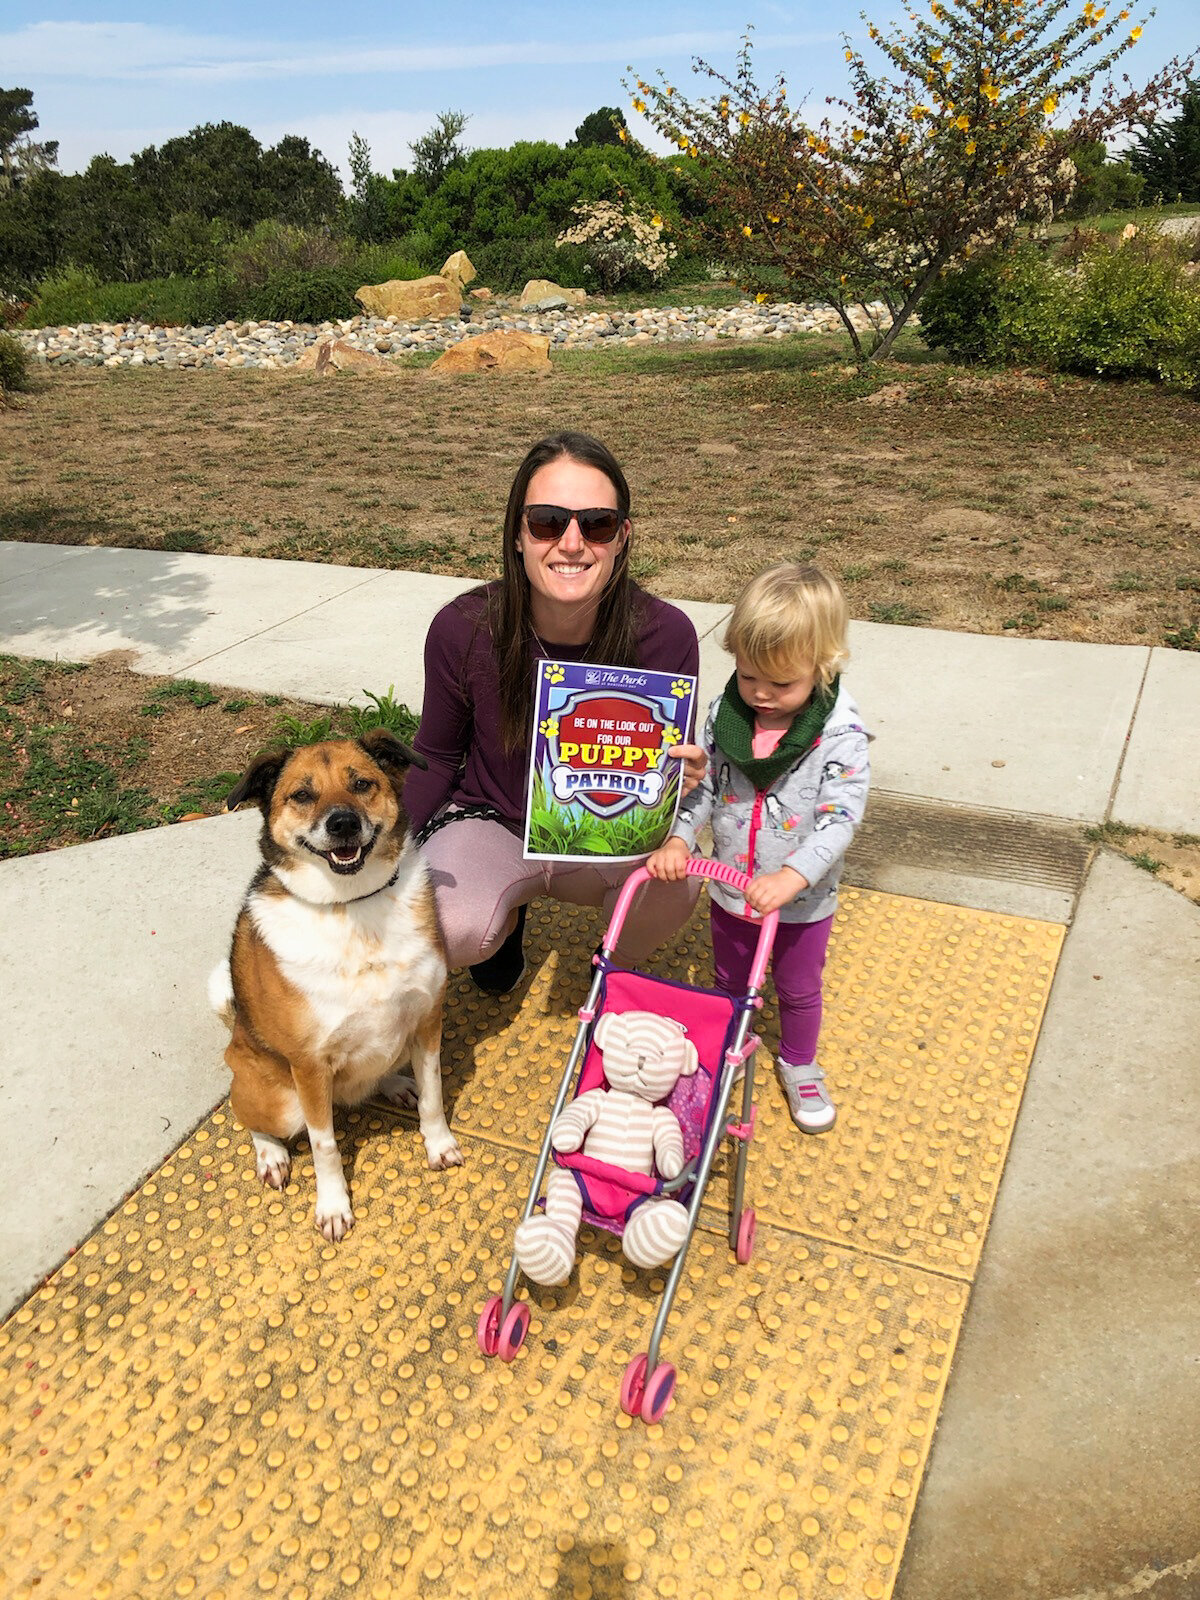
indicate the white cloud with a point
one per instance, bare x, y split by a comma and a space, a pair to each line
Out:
129, 50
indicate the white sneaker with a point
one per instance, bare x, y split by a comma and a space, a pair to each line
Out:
807, 1097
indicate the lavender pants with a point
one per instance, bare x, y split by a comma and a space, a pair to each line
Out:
797, 963
480, 877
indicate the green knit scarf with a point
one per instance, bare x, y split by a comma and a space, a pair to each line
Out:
734, 731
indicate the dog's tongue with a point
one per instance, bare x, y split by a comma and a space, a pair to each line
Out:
346, 855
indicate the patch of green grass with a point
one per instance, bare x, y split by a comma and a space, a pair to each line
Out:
200, 694
185, 541
1185, 638
202, 794
1186, 838
1052, 602
1108, 833
70, 790
1017, 583
856, 572
1147, 862
384, 711
1188, 582
296, 731
234, 706
1027, 619
1129, 583
897, 611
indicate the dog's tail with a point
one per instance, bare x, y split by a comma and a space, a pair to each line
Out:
220, 992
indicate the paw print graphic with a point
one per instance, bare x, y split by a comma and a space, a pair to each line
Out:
554, 673
671, 734
679, 688
548, 727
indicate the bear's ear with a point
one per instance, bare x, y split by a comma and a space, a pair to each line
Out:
258, 782
691, 1059
603, 1031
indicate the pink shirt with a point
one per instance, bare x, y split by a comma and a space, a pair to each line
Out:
765, 740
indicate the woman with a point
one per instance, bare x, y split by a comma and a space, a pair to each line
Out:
565, 595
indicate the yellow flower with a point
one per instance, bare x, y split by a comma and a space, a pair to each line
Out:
962, 122
936, 55
639, 105
903, 138
770, 218
759, 298
970, 147
849, 55
1050, 104
622, 135
1136, 35
991, 92
744, 118
868, 220
723, 110
1096, 15
656, 221
748, 232
549, 727
858, 135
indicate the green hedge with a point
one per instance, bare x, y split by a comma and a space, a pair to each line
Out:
1126, 312
14, 364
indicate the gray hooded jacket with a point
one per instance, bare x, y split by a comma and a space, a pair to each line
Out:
805, 820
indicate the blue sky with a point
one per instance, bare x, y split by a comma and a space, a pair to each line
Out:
116, 77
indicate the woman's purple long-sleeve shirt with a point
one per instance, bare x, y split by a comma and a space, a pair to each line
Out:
459, 734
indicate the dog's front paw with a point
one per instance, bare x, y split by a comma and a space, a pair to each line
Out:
272, 1161
401, 1089
442, 1148
335, 1219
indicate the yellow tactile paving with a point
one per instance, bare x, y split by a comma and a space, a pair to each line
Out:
932, 1012
209, 1400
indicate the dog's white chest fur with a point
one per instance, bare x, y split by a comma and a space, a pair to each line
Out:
367, 969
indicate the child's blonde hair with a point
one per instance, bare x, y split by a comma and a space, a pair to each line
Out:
790, 620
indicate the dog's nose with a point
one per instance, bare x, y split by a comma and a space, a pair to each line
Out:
341, 824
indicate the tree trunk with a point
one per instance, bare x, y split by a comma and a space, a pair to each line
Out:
884, 348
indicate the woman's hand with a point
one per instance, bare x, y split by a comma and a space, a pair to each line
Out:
669, 862
771, 890
695, 765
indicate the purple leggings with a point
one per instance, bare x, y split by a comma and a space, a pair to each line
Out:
797, 962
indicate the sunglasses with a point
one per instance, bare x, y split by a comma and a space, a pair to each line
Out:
599, 525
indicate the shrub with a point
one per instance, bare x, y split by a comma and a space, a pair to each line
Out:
274, 247
76, 296
326, 294
508, 264
381, 263
624, 249
994, 309
14, 364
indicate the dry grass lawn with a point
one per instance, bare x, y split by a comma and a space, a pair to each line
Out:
1051, 507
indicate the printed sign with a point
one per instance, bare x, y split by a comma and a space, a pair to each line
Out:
600, 780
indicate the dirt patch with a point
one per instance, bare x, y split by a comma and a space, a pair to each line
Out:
1173, 858
91, 751
1084, 496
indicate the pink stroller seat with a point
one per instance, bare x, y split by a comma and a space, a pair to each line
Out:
610, 1194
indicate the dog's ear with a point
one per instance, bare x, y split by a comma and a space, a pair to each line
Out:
392, 754
258, 782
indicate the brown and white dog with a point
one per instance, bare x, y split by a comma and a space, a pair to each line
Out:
337, 973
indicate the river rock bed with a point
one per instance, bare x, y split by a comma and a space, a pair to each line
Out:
279, 344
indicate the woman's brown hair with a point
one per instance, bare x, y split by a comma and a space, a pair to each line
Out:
615, 638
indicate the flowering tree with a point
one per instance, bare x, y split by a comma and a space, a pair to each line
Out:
621, 244
948, 148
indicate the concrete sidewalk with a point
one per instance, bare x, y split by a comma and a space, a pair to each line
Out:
1063, 1465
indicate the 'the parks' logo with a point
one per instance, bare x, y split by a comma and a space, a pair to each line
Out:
609, 753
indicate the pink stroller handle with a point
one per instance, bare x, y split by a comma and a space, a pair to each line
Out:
699, 867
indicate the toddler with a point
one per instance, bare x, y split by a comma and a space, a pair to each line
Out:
785, 788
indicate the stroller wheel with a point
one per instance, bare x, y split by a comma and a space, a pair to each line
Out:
487, 1329
744, 1248
633, 1386
513, 1331
659, 1390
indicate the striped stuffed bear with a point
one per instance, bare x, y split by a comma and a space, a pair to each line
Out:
624, 1125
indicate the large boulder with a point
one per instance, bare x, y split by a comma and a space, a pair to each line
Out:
335, 355
538, 289
458, 269
508, 350
411, 299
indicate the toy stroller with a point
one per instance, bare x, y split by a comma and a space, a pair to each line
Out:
708, 1038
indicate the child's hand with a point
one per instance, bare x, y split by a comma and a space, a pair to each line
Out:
770, 890
669, 862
